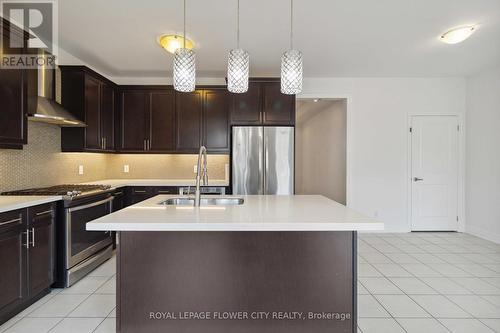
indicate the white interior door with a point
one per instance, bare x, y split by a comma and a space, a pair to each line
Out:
434, 176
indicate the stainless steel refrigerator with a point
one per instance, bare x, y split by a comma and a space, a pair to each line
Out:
263, 160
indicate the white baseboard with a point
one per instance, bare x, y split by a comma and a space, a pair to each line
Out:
480, 232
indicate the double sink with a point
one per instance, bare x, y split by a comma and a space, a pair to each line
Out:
214, 201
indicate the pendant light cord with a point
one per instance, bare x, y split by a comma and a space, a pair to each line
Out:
184, 24
238, 26
291, 24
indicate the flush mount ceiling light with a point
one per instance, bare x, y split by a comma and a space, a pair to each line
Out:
184, 65
291, 65
238, 64
173, 42
458, 35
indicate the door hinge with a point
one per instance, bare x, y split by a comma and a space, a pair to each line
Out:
411, 129
458, 127
457, 218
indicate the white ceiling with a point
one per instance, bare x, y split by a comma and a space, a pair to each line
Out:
338, 38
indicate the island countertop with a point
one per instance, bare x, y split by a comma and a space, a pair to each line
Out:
257, 213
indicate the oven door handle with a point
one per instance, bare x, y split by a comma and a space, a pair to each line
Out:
98, 203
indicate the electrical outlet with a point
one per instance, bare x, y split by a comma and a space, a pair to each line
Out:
195, 168
80, 169
126, 168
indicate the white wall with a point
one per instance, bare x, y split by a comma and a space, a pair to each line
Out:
378, 110
483, 155
320, 148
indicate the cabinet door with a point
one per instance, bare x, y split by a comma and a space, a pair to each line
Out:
13, 120
133, 121
278, 108
246, 107
12, 261
41, 250
107, 119
92, 106
188, 119
216, 120
162, 121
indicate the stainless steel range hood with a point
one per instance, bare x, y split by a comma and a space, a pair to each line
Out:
47, 109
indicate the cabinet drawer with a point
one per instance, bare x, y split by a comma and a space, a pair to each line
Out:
41, 215
11, 220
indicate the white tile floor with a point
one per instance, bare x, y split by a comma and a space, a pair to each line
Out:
418, 282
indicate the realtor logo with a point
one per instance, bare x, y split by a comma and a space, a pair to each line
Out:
38, 19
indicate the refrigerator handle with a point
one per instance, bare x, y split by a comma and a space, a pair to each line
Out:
264, 161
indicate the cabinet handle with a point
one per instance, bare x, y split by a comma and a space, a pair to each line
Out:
149, 144
10, 221
27, 233
145, 144
32, 237
118, 193
139, 191
105, 144
44, 213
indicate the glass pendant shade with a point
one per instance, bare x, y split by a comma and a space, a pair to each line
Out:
291, 72
238, 65
184, 70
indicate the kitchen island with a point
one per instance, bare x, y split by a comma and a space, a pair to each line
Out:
266, 264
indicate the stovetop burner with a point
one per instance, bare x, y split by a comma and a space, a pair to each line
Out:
69, 190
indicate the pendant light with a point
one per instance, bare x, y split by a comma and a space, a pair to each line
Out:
238, 64
184, 65
291, 65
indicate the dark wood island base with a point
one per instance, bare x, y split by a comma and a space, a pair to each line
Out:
236, 282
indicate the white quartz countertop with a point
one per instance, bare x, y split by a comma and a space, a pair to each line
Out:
157, 182
258, 213
13, 202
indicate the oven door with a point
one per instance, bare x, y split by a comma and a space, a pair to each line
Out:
80, 243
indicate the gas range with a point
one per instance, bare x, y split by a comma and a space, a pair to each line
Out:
67, 191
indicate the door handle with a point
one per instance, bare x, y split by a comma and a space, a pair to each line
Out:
416, 179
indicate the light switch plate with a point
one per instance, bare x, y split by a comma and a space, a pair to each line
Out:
126, 168
80, 169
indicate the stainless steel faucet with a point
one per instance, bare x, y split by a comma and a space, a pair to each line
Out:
202, 153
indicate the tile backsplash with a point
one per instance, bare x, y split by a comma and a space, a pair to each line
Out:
41, 163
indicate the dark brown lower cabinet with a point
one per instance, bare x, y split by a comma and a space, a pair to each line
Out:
13, 262
26, 257
41, 251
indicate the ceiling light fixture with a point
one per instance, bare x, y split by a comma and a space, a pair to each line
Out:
173, 42
238, 64
458, 35
184, 65
291, 65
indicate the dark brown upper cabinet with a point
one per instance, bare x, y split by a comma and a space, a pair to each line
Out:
133, 120
263, 104
147, 120
246, 108
90, 97
13, 95
162, 121
216, 127
189, 113
277, 108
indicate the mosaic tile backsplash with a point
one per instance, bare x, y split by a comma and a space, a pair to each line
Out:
41, 163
